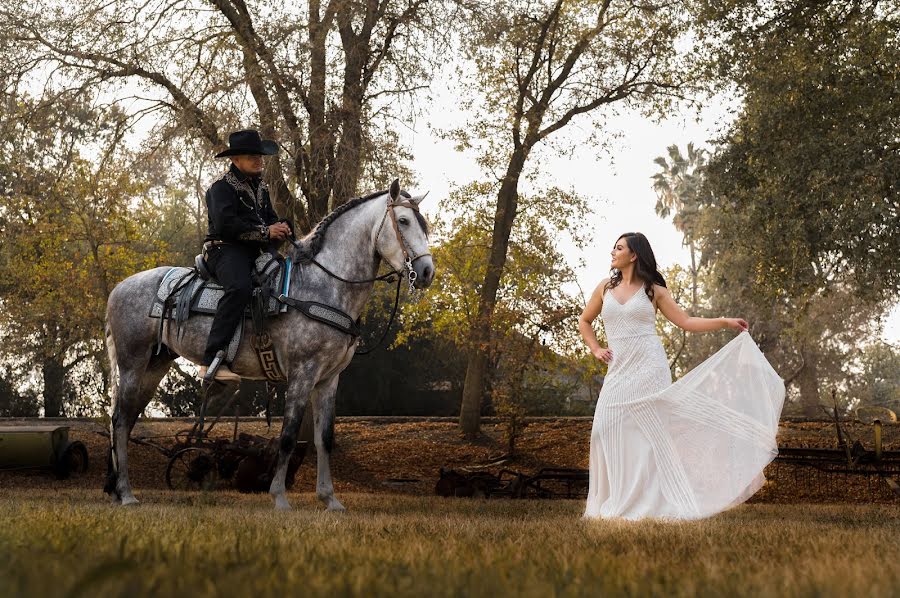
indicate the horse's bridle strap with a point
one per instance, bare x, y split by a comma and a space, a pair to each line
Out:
400, 238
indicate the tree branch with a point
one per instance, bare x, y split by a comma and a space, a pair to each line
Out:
574, 55
405, 17
124, 69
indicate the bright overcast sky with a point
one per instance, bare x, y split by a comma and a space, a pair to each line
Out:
618, 181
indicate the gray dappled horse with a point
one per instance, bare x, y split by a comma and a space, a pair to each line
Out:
350, 243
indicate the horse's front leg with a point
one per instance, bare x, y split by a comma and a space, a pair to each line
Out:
324, 438
299, 388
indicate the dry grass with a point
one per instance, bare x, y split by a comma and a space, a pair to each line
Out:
69, 542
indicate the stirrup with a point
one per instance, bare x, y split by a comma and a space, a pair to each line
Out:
218, 371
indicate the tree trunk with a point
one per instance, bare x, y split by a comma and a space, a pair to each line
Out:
357, 51
348, 160
480, 335
317, 187
282, 200
808, 382
54, 375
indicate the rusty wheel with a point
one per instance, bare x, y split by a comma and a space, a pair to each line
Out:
192, 468
74, 460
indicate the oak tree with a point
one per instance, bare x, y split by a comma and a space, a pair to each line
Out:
541, 67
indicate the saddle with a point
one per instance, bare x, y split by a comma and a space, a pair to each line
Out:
194, 290
186, 291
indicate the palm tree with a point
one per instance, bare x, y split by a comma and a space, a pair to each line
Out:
678, 187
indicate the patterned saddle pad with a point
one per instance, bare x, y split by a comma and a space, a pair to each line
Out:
205, 294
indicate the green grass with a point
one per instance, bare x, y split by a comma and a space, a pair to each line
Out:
71, 543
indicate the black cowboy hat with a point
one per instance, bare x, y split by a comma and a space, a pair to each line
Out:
248, 142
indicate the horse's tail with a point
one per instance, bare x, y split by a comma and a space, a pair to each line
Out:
111, 468
113, 367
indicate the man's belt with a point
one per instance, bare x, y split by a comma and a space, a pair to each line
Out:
209, 244
213, 243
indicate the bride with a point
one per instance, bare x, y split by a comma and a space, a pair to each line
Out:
685, 450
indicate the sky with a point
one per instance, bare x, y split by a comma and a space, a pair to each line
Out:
617, 180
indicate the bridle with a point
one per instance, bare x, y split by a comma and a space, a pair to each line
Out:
401, 240
408, 258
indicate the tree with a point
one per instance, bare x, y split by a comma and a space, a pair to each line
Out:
16, 401
534, 327
540, 67
68, 232
316, 76
816, 142
878, 380
678, 186
802, 192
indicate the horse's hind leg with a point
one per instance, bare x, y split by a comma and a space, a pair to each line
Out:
124, 413
298, 391
324, 437
135, 390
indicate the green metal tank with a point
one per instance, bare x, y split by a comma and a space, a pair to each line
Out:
32, 446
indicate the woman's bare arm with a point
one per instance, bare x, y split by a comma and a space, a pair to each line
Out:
675, 314
590, 313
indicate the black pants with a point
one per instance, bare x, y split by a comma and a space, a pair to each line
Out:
232, 266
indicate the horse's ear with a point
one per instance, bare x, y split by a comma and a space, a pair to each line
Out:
418, 199
395, 190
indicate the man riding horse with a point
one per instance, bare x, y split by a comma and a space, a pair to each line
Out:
242, 224
330, 281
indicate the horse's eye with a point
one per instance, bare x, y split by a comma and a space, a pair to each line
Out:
404, 221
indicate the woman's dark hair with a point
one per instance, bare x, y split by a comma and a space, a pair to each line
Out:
644, 266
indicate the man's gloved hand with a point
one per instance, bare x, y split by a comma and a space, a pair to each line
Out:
279, 231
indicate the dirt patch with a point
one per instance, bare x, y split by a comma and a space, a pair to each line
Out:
370, 456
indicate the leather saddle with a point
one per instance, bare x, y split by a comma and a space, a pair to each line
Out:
185, 291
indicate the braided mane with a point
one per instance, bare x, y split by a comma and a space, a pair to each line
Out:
310, 245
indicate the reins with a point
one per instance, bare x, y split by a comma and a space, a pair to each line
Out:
387, 277
389, 324
382, 278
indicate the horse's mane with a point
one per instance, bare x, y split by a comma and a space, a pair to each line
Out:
310, 245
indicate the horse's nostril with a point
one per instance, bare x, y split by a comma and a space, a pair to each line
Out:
429, 273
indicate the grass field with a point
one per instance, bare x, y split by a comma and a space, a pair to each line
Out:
71, 543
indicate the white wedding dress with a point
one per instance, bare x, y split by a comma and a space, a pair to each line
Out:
685, 450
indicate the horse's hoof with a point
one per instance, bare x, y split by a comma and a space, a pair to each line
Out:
335, 506
129, 501
282, 504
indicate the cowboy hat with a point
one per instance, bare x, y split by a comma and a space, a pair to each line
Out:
248, 142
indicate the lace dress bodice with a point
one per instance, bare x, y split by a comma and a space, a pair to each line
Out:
635, 317
639, 366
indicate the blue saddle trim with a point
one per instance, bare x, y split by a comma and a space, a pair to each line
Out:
288, 266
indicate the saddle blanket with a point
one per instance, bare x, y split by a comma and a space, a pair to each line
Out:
204, 295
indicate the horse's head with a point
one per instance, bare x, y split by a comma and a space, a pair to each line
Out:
402, 237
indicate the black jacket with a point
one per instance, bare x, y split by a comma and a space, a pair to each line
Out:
239, 209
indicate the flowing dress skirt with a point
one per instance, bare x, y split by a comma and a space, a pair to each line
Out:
685, 450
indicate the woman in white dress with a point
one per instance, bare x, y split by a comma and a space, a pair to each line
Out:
685, 450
